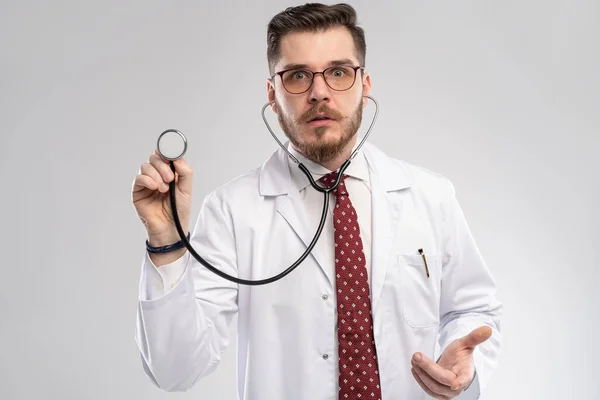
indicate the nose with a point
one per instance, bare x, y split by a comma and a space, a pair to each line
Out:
319, 91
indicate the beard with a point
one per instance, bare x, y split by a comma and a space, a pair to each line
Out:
321, 151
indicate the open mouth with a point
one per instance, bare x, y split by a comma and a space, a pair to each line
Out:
321, 118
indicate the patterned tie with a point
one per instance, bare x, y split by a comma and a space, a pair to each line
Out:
358, 377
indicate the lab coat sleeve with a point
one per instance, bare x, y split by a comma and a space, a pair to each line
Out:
182, 332
467, 296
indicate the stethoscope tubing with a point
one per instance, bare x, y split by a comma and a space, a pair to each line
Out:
324, 190
234, 278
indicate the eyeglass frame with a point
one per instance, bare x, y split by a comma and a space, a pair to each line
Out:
354, 68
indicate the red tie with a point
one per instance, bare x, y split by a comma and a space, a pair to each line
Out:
358, 377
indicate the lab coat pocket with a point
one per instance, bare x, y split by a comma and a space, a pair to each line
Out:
420, 294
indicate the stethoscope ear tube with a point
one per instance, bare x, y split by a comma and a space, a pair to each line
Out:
314, 184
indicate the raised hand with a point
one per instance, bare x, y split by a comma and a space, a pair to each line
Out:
150, 195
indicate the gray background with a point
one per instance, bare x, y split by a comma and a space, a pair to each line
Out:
501, 97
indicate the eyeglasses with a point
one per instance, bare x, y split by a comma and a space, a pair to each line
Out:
299, 80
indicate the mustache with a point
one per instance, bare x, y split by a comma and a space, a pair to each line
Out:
320, 109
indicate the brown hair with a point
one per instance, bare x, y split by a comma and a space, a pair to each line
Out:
313, 17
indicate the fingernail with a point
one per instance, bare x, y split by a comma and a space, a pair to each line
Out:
417, 357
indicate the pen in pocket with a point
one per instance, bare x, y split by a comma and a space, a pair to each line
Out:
425, 261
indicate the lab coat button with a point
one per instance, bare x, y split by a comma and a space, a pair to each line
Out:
325, 356
325, 297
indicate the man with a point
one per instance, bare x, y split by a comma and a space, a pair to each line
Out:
395, 301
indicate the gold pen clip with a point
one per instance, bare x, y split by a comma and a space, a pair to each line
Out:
425, 261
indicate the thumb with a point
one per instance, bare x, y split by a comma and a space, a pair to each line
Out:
477, 336
185, 175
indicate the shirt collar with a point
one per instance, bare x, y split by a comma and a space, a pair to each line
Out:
357, 169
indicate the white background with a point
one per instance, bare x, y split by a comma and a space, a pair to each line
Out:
499, 96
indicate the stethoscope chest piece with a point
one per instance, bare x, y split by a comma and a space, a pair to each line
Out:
171, 144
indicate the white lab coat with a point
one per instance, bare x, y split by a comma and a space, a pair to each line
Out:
254, 227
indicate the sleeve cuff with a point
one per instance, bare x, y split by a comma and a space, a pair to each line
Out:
156, 282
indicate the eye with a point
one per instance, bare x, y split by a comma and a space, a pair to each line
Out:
338, 72
299, 75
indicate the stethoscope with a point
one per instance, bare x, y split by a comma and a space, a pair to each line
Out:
172, 145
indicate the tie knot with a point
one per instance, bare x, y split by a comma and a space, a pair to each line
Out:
329, 180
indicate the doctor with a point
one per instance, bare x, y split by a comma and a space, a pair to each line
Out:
395, 301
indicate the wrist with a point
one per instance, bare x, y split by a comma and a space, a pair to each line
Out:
165, 239
169, 247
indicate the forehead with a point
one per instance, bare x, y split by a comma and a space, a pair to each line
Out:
317, 49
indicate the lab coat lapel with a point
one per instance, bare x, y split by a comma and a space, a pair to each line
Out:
293, 210
387, 178
275, 180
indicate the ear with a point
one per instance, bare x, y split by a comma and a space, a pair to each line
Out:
366, 86
271, 94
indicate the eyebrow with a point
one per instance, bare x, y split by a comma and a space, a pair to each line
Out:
344, 61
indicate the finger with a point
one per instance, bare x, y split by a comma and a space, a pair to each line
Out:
477, 336
425, 388
162, 167
142, 182
149, 170
432, 384
158, 154
185, 175
438, 373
